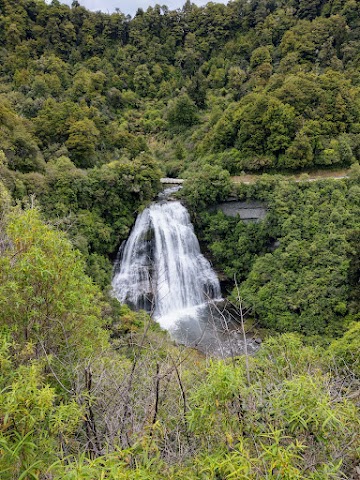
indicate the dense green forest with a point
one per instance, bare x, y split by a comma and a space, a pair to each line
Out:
94, 110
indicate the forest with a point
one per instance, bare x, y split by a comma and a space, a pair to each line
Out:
95, 109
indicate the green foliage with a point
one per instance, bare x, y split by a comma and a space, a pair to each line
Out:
82, 141
32, 417
266, 429
298, 267
291, 123
17, 141
37, 267
234, 244
307, 293
96, 206
5, 200
259, 56
142, 80
217, 401
94, 107
280, 414
346, 350
206, 186
269, 87
303, 284
182, 112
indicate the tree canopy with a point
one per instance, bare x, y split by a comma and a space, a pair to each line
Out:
94, 109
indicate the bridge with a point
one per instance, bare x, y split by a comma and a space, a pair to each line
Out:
172, 181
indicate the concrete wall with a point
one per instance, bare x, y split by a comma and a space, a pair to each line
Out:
251, 211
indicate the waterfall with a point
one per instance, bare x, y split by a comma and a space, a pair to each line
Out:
161, 268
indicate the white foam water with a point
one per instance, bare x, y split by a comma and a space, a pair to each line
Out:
161, 268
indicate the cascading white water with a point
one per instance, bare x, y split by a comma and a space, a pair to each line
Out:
161, 267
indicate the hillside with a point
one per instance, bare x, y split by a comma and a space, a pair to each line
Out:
248, 86
256, 99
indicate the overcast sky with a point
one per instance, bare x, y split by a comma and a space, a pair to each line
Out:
130, 6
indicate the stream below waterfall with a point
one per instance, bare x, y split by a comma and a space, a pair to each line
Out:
160, 269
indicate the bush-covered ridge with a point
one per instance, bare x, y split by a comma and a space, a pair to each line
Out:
254, 86
94, 109
275, 80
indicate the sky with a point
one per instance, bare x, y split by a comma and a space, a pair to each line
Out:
131, 6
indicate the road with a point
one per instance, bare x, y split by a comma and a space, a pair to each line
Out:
248, 179
301, 177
